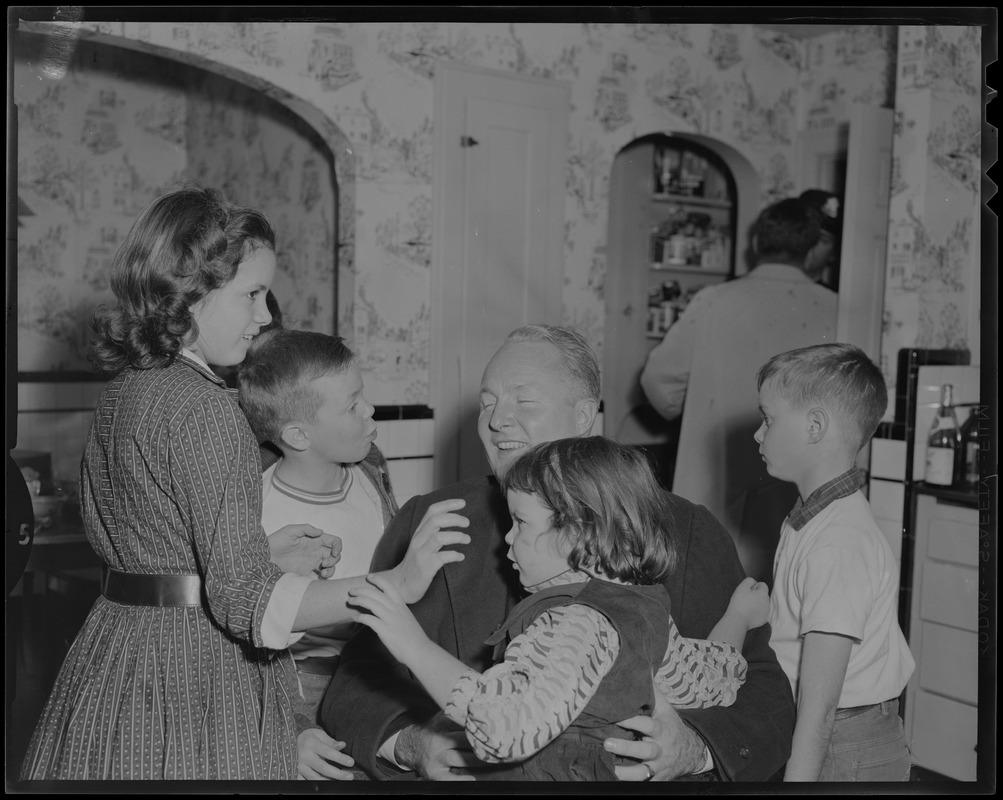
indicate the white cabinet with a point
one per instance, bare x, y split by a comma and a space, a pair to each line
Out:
941, 708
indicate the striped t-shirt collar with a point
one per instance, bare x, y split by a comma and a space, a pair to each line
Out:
316, 498
842, 486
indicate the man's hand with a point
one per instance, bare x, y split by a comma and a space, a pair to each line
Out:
668, 748
305, 550
317, 753
435, 750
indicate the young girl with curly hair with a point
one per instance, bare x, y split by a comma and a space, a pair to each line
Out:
591, 539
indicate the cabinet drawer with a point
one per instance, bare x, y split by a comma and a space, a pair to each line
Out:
887, 499
949, 595
944, 736
948, 663
954, 534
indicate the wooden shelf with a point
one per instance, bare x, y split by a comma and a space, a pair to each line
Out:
643, 222
691, 270
690, 200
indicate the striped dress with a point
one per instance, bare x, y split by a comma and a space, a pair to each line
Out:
171, 484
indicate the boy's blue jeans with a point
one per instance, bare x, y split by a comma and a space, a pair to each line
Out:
868, 746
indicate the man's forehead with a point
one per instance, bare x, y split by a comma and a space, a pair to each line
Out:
525, 364
519, 379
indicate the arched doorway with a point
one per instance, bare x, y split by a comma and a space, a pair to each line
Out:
640, 203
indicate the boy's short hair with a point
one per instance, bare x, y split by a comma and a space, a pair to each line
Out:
274, 379
606, 503
839, 376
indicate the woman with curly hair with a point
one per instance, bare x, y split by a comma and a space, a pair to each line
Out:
181, 670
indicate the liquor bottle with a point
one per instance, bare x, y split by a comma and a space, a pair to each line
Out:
943, 445
970, 448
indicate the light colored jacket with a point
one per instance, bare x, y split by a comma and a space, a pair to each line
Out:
708, 362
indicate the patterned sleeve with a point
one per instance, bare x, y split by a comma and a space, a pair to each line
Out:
549, 674
214, 465
698, 673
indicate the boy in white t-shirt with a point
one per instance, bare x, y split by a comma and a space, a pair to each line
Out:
833, 611
302, 392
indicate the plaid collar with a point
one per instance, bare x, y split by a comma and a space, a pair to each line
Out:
843, 486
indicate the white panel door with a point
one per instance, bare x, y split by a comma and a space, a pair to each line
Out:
855, 160
500, 146
865, 229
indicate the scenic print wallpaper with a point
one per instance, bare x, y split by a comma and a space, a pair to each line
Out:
328, 127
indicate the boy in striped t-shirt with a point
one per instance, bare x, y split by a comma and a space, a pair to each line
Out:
302, 392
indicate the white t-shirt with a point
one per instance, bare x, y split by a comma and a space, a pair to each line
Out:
839, 575
352, 512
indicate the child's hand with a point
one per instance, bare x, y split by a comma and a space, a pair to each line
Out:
317, 754
750, 602
305, 550
388, 617
425, 555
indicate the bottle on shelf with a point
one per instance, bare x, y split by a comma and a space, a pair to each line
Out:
943, 445
667, 163
662, 310
970, 448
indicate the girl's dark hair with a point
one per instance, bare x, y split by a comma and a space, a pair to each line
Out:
183, 246
606, 503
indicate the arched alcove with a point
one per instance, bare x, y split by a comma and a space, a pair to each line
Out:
639, 204
747, 189
320, 251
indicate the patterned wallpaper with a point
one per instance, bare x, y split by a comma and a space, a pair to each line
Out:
258, 154
751, 88
116, 129
932, 291
92, 152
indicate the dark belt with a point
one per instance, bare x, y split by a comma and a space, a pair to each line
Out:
153, 590
855, 711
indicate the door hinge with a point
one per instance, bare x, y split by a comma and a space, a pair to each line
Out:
468, 141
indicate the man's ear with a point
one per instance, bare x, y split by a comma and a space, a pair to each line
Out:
295, 437
818, 423
585, 416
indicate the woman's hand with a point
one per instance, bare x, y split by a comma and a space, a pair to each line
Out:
305, 550
425, 555
317, 753
389, 617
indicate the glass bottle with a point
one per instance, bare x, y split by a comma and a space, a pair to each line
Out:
943, 445
970, 448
